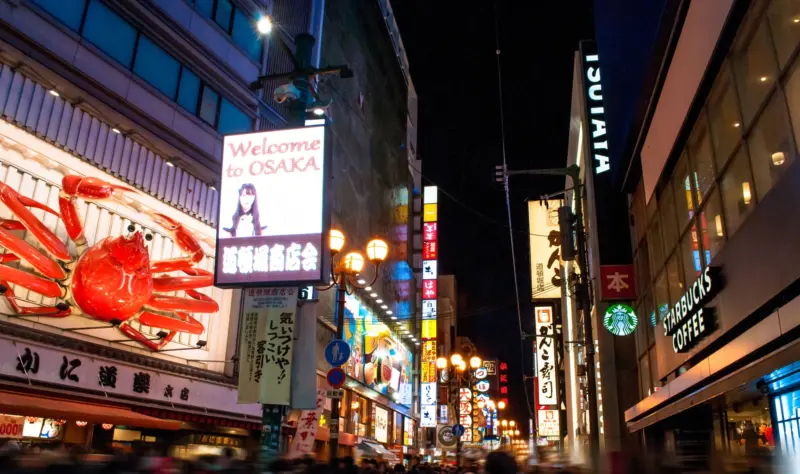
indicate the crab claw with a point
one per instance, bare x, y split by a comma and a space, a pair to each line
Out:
18, 205
182, 236
84, 187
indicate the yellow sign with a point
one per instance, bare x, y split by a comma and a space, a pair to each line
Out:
429, 329
429, 212
428, 365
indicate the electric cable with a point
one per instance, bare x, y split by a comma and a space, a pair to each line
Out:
508, 207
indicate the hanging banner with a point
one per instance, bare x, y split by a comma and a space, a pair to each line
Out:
546, 366
267, 336
307, 426
545, 245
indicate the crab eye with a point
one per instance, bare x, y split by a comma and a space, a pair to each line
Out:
131, 228
148, 237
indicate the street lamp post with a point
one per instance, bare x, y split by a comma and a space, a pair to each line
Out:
344, 275
456, 373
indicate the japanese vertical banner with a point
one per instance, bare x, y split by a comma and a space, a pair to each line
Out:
266, 339
546, 364
307, 426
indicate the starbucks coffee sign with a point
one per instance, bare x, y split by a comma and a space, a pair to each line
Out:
689, 321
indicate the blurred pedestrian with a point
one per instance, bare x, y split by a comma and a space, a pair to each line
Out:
500, 462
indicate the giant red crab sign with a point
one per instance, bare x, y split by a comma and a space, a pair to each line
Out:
111, 281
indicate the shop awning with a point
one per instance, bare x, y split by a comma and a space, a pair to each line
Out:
46, 407
369, 449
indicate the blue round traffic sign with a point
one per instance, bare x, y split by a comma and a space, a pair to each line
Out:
458, 430
337, 352
336, 377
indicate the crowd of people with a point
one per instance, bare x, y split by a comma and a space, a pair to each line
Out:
150, 459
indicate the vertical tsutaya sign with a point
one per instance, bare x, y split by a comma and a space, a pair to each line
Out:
272, 210
430, 231
265, 353
546, 366
307, 426
545, 243
597, 114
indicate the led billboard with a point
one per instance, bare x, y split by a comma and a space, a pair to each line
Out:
272, 213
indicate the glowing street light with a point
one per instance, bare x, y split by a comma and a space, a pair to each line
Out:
264, 25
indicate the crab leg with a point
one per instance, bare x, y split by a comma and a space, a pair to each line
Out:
18, 205
61, 310
41, 262
35, 283
137, 336
170, 283
186, 323
89, 189
175, 303
185, 240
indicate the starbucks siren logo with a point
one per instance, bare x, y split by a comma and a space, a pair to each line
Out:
620, 320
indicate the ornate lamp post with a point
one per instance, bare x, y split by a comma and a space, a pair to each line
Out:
455, 373
344, 276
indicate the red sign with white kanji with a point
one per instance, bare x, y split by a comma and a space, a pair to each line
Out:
430, 231
429, 251
617, 282
429, 289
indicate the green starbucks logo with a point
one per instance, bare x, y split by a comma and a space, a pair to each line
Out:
620, 320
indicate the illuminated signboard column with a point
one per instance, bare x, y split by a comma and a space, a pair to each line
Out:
428, 389
546, 374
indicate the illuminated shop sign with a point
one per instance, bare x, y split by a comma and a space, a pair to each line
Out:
688, 321
620, 320
546, 364
272, 213
597, 116
430, 274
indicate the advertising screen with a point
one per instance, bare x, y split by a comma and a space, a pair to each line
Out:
377, 360
272, 213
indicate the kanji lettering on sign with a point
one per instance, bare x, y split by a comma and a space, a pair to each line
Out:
67, 367
107, 376
618, 282
185, 394
28, 362
168, 391
141, 382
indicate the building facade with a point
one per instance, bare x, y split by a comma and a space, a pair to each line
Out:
140, 95
711, 178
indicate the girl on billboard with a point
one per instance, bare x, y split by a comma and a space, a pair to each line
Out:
246, 220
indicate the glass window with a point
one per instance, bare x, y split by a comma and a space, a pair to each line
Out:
245, 35
755, 68
69, 12
669, 226
643, 268
208, 105
654, 243
661, 296
639, 212
723, 113
702, 160
675, 278
738, 191
223, 14
233, 120
110, 33
793, 98
690, 251
189, 91
155, 66
205, 7
644, 373
771, 149
682, 185
784, 20
712, 227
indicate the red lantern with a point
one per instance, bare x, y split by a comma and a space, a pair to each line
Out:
81, 423
60, 421
107, 426
31, 419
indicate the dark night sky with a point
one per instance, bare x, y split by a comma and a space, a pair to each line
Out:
451, 48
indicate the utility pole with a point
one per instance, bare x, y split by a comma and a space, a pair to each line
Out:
582, 293
300, 78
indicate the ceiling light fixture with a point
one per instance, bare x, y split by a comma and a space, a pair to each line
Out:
361, 281
388, 311
379, 301
763, 79
383, 306
374, 295
54, 93
116, 130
